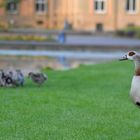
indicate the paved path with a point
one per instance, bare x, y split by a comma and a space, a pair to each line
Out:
65, 54
85, 40
102, 41
81, 38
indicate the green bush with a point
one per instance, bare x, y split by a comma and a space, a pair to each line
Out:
27, 38
129, 32
120, 33
3, 27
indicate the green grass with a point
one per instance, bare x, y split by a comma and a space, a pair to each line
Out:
88, 103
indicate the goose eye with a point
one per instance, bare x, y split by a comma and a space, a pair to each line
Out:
131, 53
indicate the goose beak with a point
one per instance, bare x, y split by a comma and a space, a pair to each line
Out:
123, 58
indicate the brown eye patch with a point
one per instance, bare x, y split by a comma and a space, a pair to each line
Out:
131, 53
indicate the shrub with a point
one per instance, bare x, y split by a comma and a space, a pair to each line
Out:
3, 27
130, 32
120, 33
27, 38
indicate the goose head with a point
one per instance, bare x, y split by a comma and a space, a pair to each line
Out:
132, 55
30, 74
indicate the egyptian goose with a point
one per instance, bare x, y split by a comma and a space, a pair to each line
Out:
135, 85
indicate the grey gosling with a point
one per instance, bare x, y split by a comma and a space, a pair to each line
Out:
5, 79
38, 78
17, 78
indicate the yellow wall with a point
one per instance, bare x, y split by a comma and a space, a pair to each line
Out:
79, 13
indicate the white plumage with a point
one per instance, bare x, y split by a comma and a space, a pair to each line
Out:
135, 85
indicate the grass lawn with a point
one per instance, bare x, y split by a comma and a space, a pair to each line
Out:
88, 103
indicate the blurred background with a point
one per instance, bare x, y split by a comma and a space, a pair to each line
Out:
63, 34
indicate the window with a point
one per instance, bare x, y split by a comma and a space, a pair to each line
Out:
131, 25
40, 22
99, 27
11, 6
41, 6
99, 6
131, 6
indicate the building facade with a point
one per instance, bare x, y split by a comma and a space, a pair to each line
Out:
98, 15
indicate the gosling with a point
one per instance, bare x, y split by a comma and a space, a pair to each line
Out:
38, 78
17, 78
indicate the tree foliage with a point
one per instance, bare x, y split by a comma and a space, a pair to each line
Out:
17, 1
4, 2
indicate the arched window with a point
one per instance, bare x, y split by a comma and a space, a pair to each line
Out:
100, 6
41, 5
131, 6
11, 6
